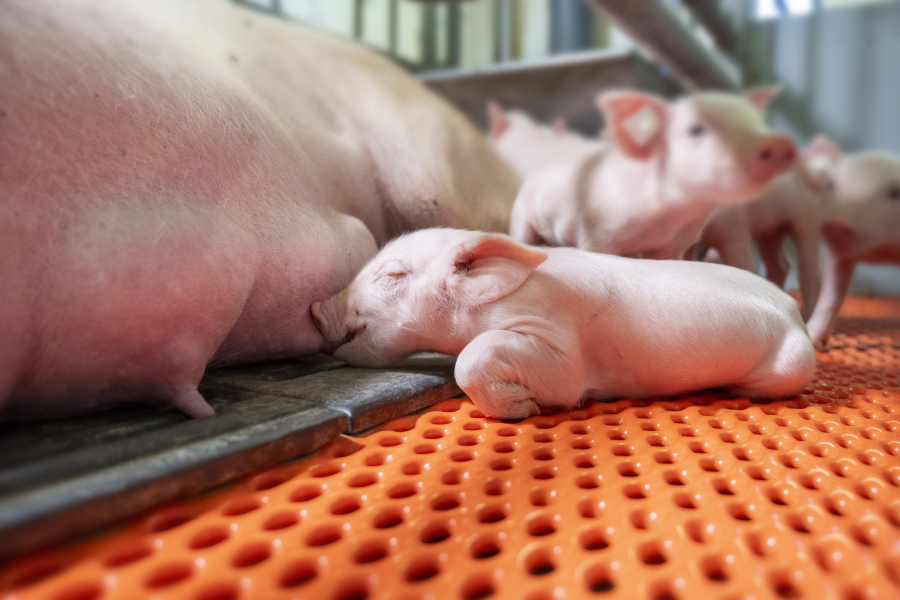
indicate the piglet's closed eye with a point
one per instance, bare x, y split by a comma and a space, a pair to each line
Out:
489, 268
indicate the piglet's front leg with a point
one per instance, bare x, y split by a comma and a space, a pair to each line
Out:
509, 375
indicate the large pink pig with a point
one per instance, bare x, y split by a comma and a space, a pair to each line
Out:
792, 206
863, 226
549, 326
664, 168
181, 179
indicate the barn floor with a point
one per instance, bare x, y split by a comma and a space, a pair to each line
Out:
697, 497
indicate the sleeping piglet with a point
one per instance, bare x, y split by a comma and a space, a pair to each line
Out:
664, 168
548, 327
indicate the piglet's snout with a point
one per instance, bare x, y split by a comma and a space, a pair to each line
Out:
776, 155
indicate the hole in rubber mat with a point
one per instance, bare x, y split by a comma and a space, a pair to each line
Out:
129, 553
583, 461
324, 535
540, 525
543, 472
170, 519
390, 441
425, 449
421, 569
699, 531
370, 551
543, 453
441, 420
590, 509
477, 414
543, 437
714, 568
461, 456
581, 444
402, 425
433, 434
80, 591
37, 569
353, 589
446, 501
651, 553
588, 481
539, 562
411, 468
267, 481
506, 432
494, 486
598, 579
281, 520
169, 574
473, 426
784, 586
363, 480
402, 490
345, 506
434, 532
467, 440
477, 587
387, 518
240, 506
491, 513
208, 537
450, 477
540, 497
305, 493
500, 464
224, 590
484, 546
675, 477
504, 447
251, 555
325, 470
593, 539
374, 460
634, 491
628, 469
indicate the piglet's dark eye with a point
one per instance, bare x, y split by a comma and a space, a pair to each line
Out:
894, 193
696, 130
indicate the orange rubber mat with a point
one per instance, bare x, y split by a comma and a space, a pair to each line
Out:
700, 497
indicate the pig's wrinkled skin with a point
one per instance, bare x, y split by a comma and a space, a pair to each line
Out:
550, 326
862, 226
792, 206
180, 180
664, 168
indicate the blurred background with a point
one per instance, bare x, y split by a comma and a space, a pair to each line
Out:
837, 61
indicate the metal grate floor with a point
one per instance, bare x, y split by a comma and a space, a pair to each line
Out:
702, 496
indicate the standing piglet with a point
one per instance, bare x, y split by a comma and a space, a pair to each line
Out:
863, 226
548, 327
650, 189
792, 206
528, 146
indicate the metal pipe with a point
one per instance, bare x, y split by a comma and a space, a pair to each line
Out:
652, 25
710, 16
358, 19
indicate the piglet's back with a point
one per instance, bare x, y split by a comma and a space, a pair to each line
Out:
664, 327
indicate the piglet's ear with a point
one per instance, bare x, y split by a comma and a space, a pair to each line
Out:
498, 120
818, 161
760, 97
489, 268
635, 122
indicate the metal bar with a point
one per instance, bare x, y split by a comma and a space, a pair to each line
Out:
392, 27
428, 41
652, 25
357, 19
453, 35
276, 7
710, 16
